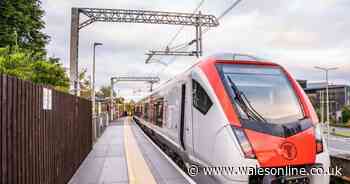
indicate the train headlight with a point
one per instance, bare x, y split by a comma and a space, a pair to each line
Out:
244, 143
318, 138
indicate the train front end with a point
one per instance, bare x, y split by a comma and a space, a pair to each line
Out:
272, 121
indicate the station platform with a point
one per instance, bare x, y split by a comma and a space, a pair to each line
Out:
124, 154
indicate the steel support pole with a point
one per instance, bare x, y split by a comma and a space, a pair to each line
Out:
93, 96
200, 42
74, 44
322, 105
111, 99
199, 46
93, 93
197, 41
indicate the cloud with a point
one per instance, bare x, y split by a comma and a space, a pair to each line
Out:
296, 34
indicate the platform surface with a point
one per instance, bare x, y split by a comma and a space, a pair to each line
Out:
123, 154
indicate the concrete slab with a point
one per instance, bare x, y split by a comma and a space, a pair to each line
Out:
115, 150
114, 170
89, 171
107, 162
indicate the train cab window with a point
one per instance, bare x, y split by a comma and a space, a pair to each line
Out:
261, 93
201, 100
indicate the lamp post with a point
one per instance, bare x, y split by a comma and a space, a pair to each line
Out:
322, 105
326, 70
111, 99
93, 95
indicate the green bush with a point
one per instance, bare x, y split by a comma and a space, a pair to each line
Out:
20, 64
346, 114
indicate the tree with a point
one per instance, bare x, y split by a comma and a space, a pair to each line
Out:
130, 106
15, 64
105, 92
19, 63
85, 85
346, 114
22, 45
43, 72
21, 25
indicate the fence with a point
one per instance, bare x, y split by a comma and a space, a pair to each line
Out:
44, 134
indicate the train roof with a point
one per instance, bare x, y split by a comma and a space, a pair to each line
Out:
234, 57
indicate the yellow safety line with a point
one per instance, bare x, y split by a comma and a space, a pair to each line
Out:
138, 170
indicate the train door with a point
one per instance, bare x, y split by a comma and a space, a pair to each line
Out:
182, 115
202, 129
187, 97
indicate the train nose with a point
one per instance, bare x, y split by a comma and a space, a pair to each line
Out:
288, 150
274, 151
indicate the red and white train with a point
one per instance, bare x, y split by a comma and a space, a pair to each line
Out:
236, 110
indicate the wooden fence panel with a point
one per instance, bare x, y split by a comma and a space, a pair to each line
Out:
41, 146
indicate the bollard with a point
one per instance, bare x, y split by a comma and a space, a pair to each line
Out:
97, 128
112, 114
104, 121
107, 119
101, 125
94, 136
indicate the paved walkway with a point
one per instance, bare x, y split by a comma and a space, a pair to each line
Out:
124, 154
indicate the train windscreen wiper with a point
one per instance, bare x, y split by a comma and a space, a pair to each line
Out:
244, 103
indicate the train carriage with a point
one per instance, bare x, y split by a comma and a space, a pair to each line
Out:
236, 110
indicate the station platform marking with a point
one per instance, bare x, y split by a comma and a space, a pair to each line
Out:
138, 170
107, 162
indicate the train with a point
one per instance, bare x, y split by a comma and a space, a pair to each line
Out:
236, 110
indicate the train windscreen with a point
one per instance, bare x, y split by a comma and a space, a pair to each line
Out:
261, 93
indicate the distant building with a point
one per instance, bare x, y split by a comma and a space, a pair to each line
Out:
339, 96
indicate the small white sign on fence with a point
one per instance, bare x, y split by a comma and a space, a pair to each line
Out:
47, 99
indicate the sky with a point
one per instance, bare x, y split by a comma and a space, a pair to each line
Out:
296, 34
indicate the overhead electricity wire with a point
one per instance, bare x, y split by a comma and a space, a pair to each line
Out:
222, 15
180, 46
182, 27
186, 45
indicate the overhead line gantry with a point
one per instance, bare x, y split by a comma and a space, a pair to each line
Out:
129, 16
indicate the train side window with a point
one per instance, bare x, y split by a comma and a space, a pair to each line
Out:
159, 112
145, 116
201, 100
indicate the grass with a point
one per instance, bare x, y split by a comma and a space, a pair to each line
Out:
341, 134
345, 125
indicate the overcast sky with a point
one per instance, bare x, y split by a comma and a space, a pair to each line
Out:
297, 34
